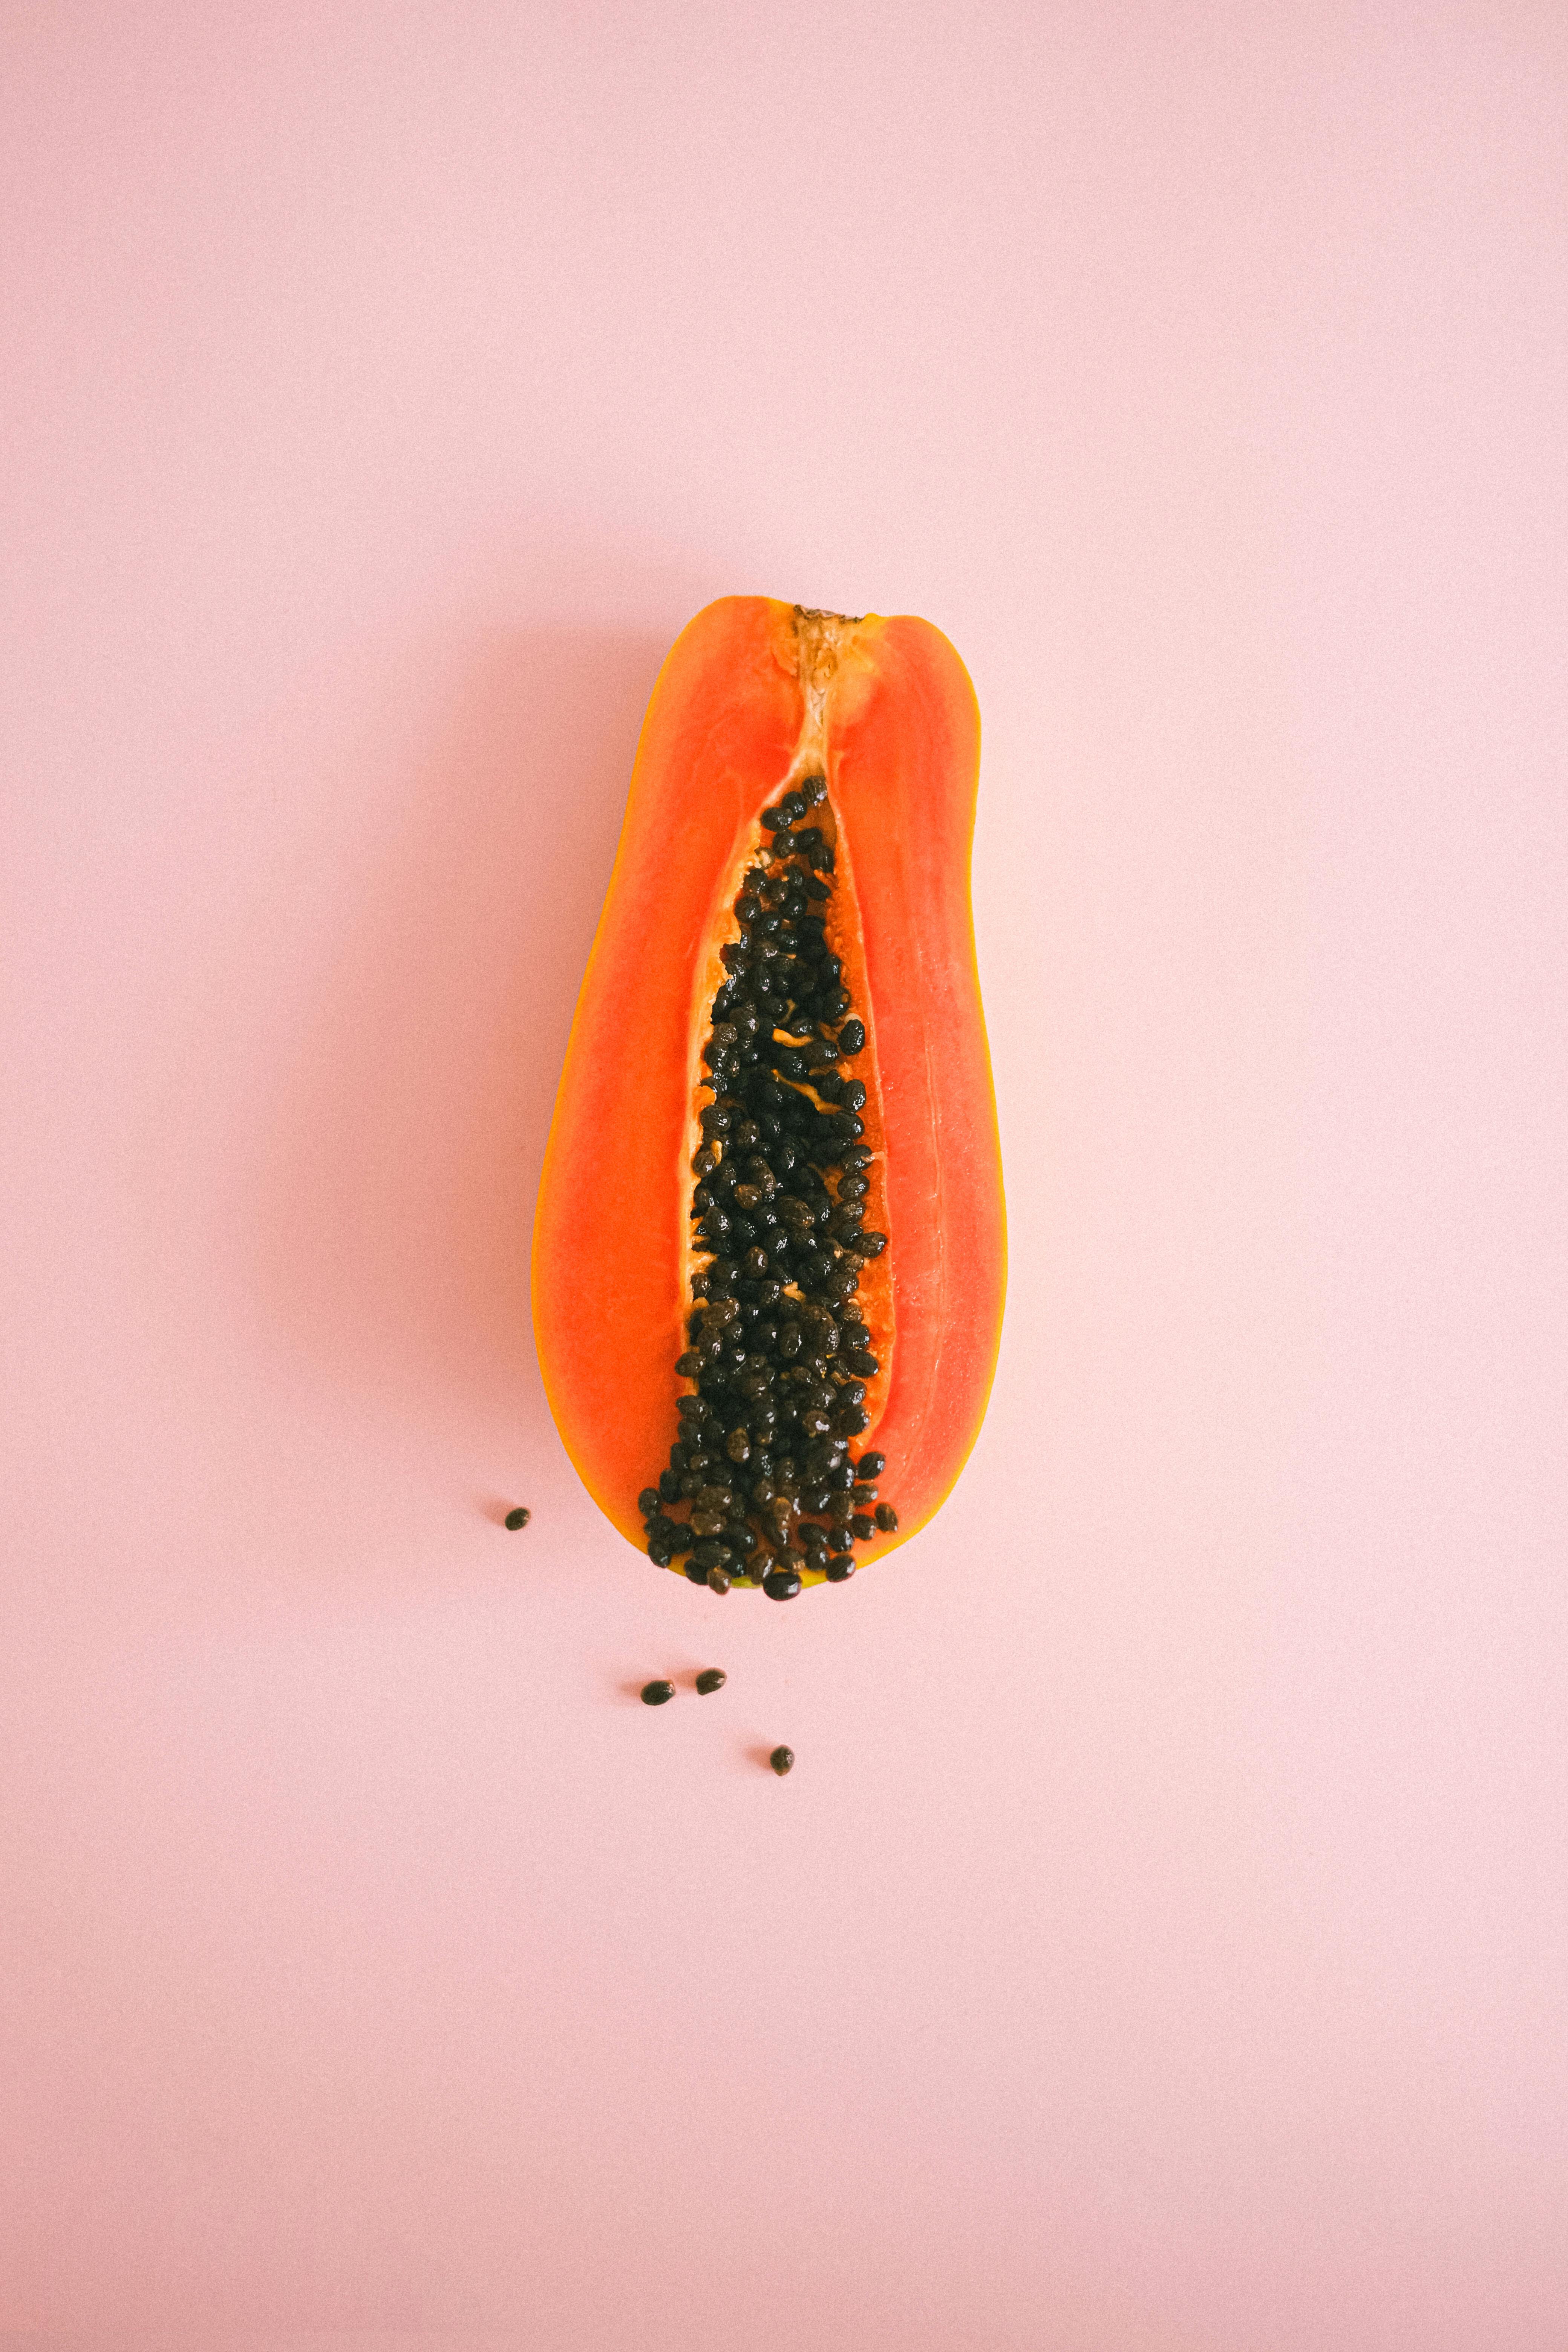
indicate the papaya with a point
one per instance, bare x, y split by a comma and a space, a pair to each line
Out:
770, 1245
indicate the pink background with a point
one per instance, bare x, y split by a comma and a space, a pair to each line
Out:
1162, 1945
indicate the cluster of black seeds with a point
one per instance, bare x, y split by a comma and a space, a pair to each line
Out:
761, 1486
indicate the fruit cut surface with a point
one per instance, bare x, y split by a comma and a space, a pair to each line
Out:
756, 699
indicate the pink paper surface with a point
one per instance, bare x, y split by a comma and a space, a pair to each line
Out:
1161, 1943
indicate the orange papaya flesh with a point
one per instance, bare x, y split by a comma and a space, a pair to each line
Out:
770, 1250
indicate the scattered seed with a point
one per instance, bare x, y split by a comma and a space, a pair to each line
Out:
711, 1678
520, 1518
783, 1760
657, 1693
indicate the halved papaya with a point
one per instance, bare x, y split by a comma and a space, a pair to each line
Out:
770, 1252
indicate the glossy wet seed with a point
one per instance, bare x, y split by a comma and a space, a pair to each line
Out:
760, 1487
711, 1678
783, 1760
517, 1519
657, 1693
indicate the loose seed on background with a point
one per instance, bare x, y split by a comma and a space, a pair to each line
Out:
711, 1678
657, 1693
783, 1760
517, 1519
